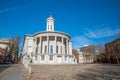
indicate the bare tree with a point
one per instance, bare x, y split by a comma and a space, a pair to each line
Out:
104, 53
14, 48
100, 50
99, 46
113, 49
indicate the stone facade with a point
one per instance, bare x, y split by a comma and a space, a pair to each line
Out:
49, 47
88, 53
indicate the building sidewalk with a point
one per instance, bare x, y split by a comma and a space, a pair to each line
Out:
14, 74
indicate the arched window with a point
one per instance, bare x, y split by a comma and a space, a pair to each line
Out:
51, 27
48, 26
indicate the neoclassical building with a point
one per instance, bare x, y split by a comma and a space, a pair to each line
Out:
48, 47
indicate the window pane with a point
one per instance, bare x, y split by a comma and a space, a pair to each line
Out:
51, 57
65, 58
51, 48
42, 58
36, 58
56, 49
36, 50
45, 49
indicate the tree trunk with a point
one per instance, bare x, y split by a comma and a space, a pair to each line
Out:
110, 59
117, 60
115, 55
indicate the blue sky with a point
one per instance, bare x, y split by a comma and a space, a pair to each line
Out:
87, 21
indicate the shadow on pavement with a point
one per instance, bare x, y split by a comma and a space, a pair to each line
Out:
102, 73
3, 67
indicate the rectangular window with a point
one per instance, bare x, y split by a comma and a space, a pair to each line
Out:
36, 58
56, 49
38, 40
51, 57
42, 58
45, 49
65, 58
36, 50
61, 49
51, 48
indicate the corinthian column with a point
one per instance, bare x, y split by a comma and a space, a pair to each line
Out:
70, 47
62, 46
55, 45
47, 44
66, 46
40, 45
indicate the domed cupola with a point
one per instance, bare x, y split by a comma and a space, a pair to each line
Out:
50, 23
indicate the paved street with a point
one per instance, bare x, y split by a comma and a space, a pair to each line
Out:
75, 72
14, 74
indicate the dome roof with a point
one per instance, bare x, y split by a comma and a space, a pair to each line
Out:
50, 18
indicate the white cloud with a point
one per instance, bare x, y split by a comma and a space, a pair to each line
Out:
101, 32
1, 11
88, 36
11, 9
79, 41
18, 7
